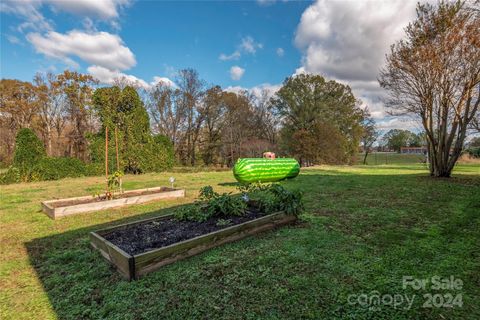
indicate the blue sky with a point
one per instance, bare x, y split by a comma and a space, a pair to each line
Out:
239, 45
167, 36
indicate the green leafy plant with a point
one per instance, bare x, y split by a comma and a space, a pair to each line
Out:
286, 200
206, 193
212, 204
191, 213
50, 168
12, 175
267, 198
271, 198
114, 183
224, 222
225, 205
29, 149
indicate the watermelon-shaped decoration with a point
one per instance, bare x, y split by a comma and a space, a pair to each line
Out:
249, 170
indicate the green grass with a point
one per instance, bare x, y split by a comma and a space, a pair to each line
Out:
365, 227
386, 158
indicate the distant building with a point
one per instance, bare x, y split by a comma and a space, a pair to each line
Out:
414, 150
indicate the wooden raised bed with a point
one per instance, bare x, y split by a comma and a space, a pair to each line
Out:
64, 207
132, 267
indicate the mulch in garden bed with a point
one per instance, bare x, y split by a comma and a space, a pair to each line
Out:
160, 233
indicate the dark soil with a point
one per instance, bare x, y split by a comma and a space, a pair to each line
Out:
103, 197
160, 233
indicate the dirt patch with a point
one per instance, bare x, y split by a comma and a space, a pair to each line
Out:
103, 198
160, 233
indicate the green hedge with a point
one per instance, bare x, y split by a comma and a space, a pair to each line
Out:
29, 150
58, 168
155, 155
31, 164
12, 175
50, 169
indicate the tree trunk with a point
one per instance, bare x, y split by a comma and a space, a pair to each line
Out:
49, 140
365, 158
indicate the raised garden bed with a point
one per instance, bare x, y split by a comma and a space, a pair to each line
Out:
141, 247
64, 207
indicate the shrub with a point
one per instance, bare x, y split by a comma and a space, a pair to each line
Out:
191, 212
474, 152
167, 149
29, 150
271, 198
156, 155
95, 169
266, 198
211, 204
12, 175
139, 150
58, 168
96, 148
153, 156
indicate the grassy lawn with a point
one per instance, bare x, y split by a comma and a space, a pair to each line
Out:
365, 227
386, 158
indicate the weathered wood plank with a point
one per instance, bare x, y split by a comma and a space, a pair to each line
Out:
152, 260
57, 212
116, 256
133, 267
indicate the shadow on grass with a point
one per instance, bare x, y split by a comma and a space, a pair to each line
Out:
230, 184
378, 218
73, 273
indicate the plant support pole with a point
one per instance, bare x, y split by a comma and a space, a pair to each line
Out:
118, 162
106, 157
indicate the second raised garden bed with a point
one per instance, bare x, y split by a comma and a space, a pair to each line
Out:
64, 207
141, 247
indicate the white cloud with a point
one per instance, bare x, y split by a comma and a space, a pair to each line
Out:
280, 52
256, 91
12, 39
236, 73
249, 45
234, 56
265, 3
100, 48
404, 123
351, 45
102, 9
347, 41
270, 89
106, 76
28, 10
166, 81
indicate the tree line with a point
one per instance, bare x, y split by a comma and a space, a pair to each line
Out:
310, 118
433, 74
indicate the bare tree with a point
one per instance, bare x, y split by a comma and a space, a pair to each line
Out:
52, 109
213, 113
434, 74
167, 113
18, 102
191, 94
18, 107
77, 90
265, 121
475, 125
237, 128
